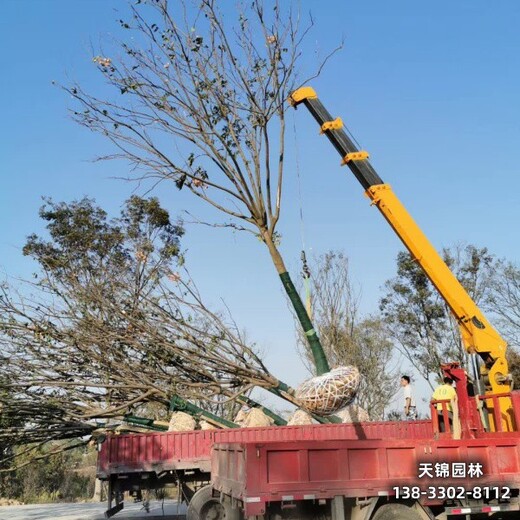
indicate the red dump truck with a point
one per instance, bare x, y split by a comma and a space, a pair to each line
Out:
361, 471
378, 479
386, 470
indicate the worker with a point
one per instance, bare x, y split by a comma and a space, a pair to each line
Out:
410, 410
445, 392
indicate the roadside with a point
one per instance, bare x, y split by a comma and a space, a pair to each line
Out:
88, 511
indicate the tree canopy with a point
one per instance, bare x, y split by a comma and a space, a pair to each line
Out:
199, 99
111, 321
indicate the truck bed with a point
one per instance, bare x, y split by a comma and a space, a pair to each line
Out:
158, 452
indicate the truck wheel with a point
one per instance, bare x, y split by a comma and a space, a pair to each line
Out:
204, 506
396, 512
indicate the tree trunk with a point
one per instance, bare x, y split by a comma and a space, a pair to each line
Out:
320, 359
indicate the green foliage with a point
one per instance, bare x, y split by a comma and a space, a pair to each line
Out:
415, 312
84, 241
513, 359
66, 477
146, 223
77, 321
79, 234
6, 443
109, 326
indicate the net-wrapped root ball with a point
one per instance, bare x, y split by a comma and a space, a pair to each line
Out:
328, 393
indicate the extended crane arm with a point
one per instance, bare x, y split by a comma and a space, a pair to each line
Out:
477, 333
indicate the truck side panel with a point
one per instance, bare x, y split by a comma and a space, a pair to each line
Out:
257, 474
182, 450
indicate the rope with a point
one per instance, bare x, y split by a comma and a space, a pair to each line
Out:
306, 273
300, 200
353, 138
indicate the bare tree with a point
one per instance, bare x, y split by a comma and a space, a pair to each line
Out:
109, 325
199, 100
504, 300
346, 336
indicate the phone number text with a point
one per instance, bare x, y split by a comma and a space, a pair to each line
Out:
452, 492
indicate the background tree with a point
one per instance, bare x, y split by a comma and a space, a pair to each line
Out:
348, 337
503, 300
418, 319
107, 325
66, 476
7, 445
200, 100
513, 359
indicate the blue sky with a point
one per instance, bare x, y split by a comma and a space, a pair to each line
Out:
430, 89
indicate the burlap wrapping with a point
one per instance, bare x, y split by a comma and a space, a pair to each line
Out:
299, 418
205, 425
241, 415
181, 422
253, 418
328, 393
353, 413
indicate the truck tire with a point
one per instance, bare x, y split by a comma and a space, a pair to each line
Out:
396, 512
204, 506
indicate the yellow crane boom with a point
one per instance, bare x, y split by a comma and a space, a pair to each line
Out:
478, 335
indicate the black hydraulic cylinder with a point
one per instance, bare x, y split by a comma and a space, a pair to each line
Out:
362, 170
